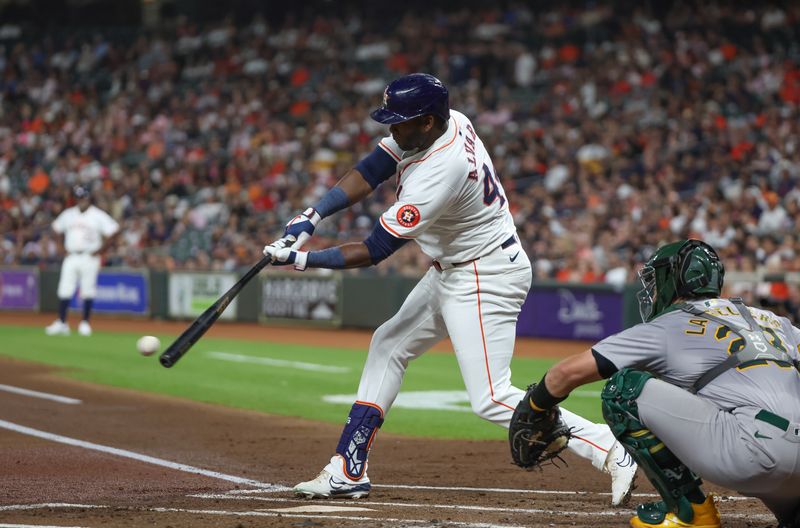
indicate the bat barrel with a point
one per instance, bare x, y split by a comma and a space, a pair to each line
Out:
200, 325
166, 361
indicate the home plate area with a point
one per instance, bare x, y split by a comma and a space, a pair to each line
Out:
466, 507
314, 508
124, 459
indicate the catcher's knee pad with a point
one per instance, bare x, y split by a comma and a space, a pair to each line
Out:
671, 478
359, 431
619, 400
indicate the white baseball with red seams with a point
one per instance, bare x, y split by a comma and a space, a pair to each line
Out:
148, 345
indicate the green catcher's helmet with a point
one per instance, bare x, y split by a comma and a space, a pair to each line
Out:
687, 269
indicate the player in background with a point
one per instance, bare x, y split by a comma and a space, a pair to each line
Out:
451, 203
88, 233
704, 387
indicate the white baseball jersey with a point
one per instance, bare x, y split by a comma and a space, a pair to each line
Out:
84, 231
449, 198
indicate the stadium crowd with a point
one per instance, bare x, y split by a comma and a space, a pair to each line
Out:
612, 131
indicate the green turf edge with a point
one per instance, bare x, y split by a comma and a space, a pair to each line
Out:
111, 359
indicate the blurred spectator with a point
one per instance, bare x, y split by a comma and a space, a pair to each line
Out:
613, 131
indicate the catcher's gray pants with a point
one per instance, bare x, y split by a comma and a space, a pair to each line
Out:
722, 446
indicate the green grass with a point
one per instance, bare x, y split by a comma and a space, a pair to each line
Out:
111, 359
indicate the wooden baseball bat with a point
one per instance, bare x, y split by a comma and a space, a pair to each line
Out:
200, 326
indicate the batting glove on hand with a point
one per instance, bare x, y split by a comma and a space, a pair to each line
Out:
281, 253
302, 226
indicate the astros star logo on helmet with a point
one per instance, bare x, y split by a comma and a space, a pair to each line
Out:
408, 216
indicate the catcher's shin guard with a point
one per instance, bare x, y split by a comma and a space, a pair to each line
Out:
359, 431
671, 478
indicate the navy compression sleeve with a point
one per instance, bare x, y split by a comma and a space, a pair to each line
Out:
331, 258
377, 167
334, 200
381, 243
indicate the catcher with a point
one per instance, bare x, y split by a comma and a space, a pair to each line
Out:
704, 387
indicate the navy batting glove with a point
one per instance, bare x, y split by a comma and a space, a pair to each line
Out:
302, 226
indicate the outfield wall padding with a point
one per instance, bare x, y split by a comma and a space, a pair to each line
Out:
553, 309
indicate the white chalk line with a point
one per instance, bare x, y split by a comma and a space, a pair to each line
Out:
495, 490
266, 513
341, 517
488, 509
319, 508
459, 488
481, 490
35, 526
37, 394
41, 505
256, 513
495, 509
298, 365
136, 456
517, 490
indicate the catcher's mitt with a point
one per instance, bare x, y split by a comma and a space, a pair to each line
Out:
536, 437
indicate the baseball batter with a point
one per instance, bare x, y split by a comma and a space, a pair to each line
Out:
451, 203
88, 233
705, 387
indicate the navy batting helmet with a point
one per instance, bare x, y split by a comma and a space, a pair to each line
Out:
412, 96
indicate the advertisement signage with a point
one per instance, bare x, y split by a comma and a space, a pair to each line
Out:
571, 313
191, 293
119, 292
19, 289
305, 298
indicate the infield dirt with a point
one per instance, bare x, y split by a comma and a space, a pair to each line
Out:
110, 490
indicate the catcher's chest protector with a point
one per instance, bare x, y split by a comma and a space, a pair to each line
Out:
755, 344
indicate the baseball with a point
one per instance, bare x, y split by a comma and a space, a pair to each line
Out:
147, 345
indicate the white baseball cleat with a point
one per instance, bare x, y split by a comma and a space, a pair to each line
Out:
84, 328
330, 483
57, 327
622, 468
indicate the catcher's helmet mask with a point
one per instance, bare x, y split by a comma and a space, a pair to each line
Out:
685, 269
411, 96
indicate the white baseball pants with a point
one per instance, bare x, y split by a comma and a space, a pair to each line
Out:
476, 305
79, 269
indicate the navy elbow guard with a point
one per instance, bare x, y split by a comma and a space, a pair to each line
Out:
381, 243
377, 167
